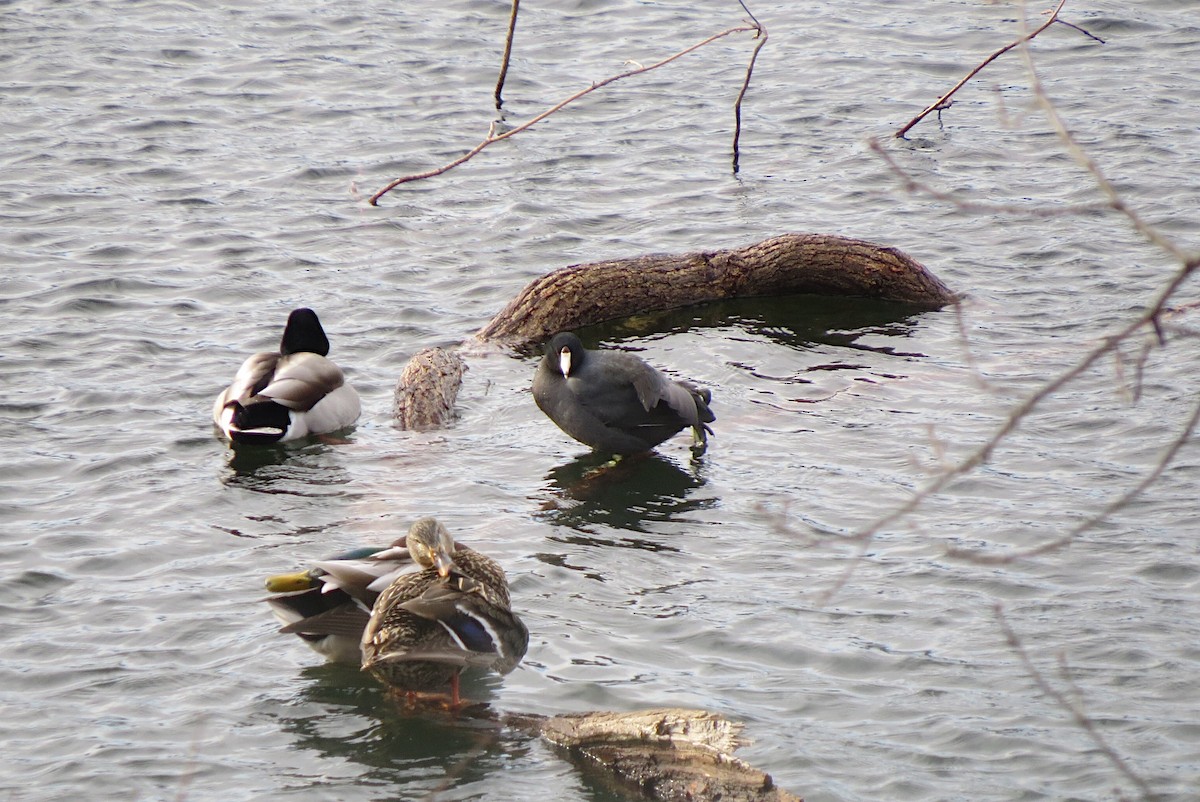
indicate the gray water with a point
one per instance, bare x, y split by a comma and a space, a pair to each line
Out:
177, 176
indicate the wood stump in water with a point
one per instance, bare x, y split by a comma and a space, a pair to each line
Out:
427, 389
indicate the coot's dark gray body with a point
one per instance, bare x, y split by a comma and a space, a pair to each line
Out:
613, 401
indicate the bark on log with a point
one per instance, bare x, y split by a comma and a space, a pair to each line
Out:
427, 389
668, 754
582, 295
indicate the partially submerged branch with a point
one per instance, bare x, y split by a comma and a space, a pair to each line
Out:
508, 41
737, 104
582, 295
492, 137
942, 102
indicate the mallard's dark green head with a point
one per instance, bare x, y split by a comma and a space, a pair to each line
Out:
431, 545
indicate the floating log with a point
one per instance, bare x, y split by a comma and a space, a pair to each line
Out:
664, 754
789, 264
586, 294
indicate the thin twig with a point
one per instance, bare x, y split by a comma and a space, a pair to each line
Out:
940, 102
960, 321
984, 452
491, 140
1086, 33
508, 41
749, 13
1088, 163
737, 104
1076, 711
1168, 456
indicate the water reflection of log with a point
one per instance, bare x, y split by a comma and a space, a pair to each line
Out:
583, 295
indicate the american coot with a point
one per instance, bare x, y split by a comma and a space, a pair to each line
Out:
615, 402
328, 605
283, 396
427, 626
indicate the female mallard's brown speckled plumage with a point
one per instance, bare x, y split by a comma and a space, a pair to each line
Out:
428, 626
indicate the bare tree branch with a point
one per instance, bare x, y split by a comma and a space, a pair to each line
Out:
1167, 457
940, 103
492, 138
981, 454
1148, 321
912, 185
1075, 710
737, 104
508, 41
1088, 163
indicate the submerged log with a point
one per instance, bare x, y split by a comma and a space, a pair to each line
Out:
665, 754
790, 264
582, 295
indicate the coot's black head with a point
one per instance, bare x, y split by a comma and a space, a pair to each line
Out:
304, 334
565, 353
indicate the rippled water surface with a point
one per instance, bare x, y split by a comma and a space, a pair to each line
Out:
177, 176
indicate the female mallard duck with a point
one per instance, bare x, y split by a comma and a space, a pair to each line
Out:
615, 402
283, 396
328, 605
428, 626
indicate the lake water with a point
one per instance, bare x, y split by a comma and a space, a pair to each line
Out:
177, 176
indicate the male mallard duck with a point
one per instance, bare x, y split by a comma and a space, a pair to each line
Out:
428, 626
615, 402
290, 394
329, 604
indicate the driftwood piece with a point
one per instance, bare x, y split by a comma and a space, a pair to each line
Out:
582, 295
427, 389
666, 754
